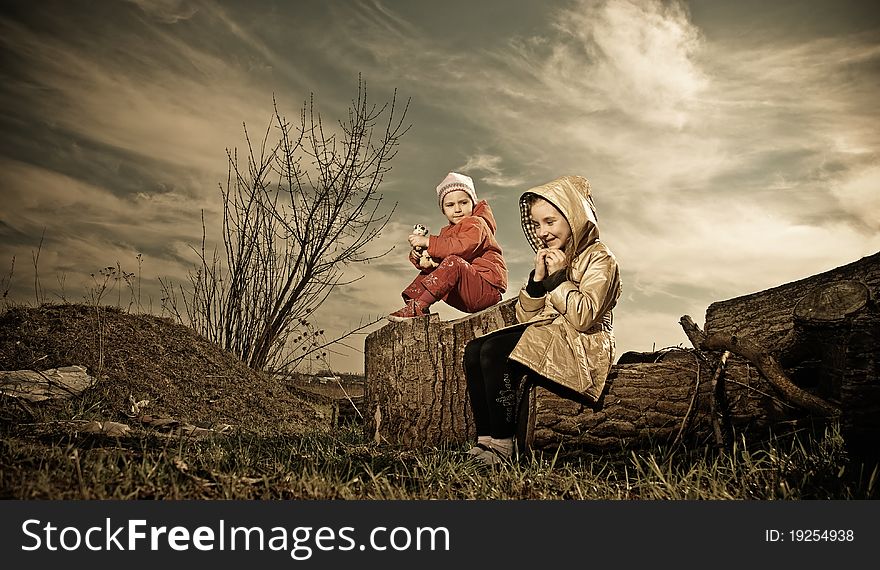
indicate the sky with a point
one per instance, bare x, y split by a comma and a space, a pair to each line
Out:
731, 146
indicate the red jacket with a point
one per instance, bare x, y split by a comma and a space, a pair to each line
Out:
472, 239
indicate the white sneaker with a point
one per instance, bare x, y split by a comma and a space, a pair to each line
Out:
477, 449
492, 456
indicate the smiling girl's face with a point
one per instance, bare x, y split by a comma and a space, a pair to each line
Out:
550, 225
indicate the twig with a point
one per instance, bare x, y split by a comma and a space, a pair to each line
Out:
51, 382
336, 340
338, 381
6, 283
79, 476
763, 393
36, 258
687, 414
719, 404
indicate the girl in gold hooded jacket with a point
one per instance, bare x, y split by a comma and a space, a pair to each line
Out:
565, 340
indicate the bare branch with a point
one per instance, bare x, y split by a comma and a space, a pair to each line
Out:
299, 208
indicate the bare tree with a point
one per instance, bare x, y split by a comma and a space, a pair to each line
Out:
299, 208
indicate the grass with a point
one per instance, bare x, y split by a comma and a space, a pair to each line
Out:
281, 448
339, 465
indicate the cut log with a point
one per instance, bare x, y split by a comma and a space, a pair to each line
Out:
823, 332
347, 410
646, 404
854, 366
766, 317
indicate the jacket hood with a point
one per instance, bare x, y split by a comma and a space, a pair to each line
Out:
571, 196
482, 210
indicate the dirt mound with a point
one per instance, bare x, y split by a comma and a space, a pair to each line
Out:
145, 357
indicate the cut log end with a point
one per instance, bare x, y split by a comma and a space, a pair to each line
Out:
832, 302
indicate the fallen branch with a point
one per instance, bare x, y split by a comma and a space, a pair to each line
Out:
692, 331
772, 371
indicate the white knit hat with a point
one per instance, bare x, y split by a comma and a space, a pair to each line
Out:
455, 181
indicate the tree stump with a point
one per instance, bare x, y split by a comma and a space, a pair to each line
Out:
415, 391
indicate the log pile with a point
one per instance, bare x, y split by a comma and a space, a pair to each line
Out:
802, 352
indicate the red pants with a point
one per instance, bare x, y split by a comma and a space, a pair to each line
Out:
456, 282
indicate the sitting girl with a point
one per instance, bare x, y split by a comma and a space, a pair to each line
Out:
565, 340
471, 275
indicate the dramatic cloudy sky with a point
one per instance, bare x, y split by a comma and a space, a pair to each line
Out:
732, 146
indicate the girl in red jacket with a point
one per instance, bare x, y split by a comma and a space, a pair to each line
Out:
471, 275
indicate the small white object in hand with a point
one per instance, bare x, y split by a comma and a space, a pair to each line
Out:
425, 261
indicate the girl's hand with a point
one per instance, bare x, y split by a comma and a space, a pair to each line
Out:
555, 261
540, 265
416, 240
414, 255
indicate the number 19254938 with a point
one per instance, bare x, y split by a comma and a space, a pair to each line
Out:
809, 535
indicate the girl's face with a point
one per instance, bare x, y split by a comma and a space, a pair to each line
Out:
550, 225
456, 205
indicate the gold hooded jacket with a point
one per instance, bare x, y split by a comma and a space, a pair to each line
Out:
571, 341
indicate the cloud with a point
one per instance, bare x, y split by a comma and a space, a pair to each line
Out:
609, 85
632, 56
491, 165
159, 97
91, 224
728, 247
860, 197
799, 119
167, 11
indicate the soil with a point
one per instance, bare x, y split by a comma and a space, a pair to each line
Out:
145, 357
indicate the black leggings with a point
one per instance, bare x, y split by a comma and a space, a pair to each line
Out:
492, 381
